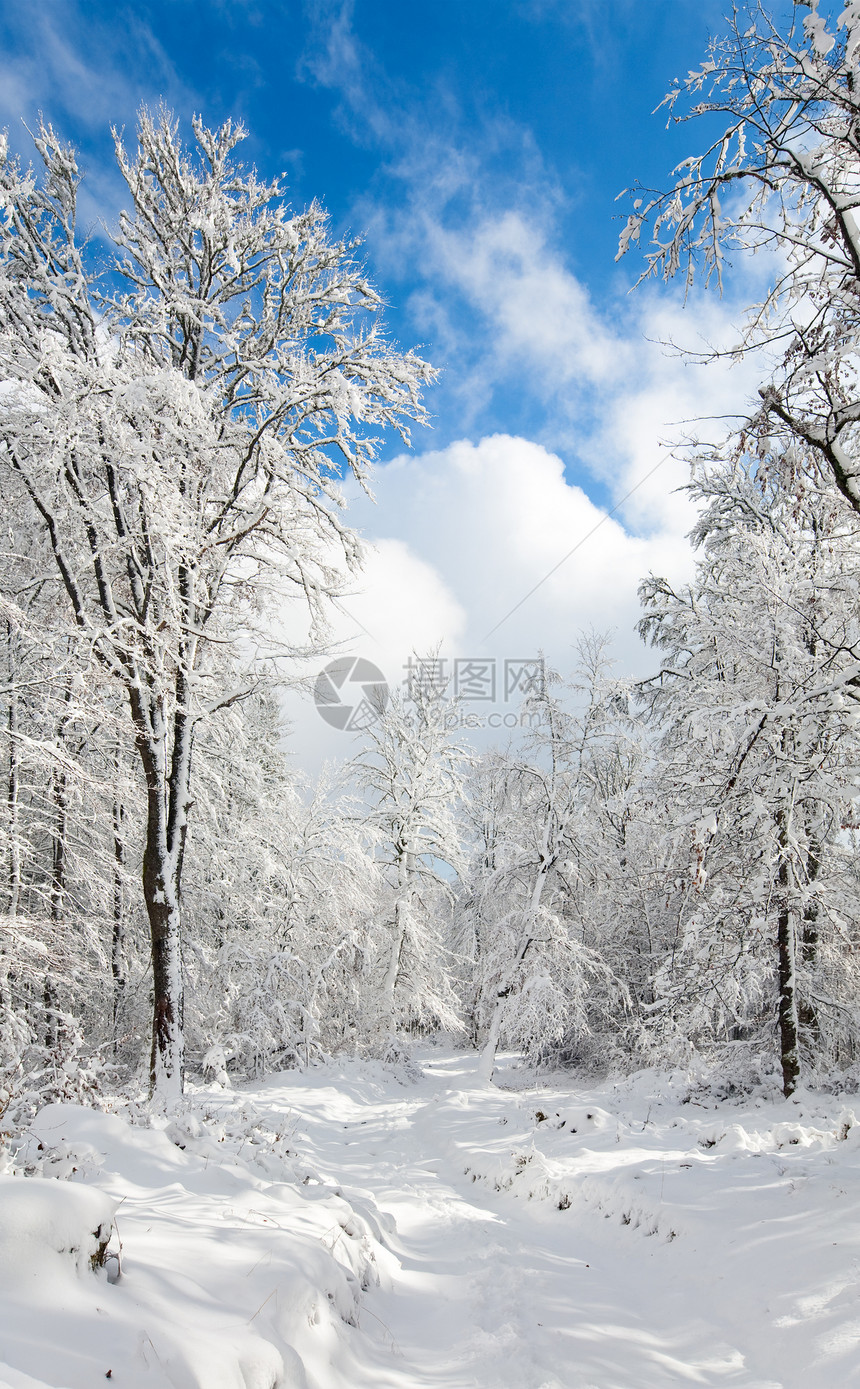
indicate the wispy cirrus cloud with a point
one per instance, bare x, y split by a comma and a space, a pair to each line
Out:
88, 69
85, 72
469, 217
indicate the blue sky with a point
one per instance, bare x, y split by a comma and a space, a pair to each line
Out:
461, 110
479, 146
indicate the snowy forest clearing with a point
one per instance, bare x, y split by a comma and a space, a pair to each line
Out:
352, 1227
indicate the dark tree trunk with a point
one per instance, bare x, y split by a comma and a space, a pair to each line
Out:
12, 786
117, 953
167, 803
808, 945
787, 979
58, 895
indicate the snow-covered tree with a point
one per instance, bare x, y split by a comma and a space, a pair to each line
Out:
178, 431
411, 774
537, 977
781, 174
284, 893
63, 894
755, 700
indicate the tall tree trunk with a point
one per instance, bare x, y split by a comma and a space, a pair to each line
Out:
398, 939
58, 895
59, 869
161, 896
9, 1035
786, 941
13, 784
808, 943
117, 951
167, 1056
405, 860
167, 804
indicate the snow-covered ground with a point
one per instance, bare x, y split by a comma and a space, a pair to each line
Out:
354, 1227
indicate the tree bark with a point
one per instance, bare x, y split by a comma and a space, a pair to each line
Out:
12, 786
167, 803
786, 938
808, 943
58, 898
117, 952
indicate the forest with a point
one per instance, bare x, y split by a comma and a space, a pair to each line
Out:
525, 1060
661, 869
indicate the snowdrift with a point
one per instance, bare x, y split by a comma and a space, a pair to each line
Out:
201, 1255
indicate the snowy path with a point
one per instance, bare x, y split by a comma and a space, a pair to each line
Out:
489, 1293
634, 1236
494, 1291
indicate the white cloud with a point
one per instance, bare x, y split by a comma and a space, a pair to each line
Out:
494, 519
472, 225
477, 527
542, 315
85, 73
402, 604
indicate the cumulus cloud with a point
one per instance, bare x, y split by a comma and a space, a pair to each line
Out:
473, 533
531, 539
494, 519
402, 603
